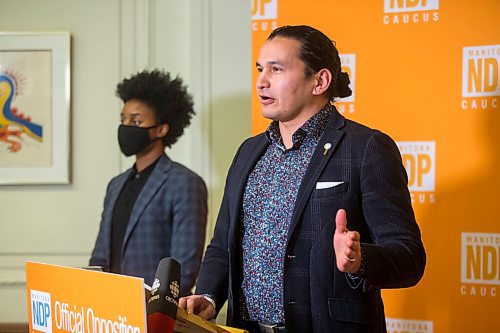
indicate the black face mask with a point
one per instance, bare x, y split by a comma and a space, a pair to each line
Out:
134, 139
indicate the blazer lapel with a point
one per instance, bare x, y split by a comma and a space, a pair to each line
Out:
245, 163
153, 184
332, 135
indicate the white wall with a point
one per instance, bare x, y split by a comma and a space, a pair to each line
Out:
207, 42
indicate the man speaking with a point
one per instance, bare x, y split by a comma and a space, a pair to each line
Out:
316, 216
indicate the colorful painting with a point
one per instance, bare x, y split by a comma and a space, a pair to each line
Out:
25, 108
10, 116
34, 108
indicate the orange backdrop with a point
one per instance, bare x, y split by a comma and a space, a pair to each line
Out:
425, 72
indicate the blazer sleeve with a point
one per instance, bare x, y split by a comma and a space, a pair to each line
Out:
188, 228
215, 272
100, 253
397, 257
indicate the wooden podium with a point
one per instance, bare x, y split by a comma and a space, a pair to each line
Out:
74, 300
190, 323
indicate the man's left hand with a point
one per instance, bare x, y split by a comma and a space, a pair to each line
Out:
347, 245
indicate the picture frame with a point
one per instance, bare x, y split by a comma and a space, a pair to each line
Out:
35, 70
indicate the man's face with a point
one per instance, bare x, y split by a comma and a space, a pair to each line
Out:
284, 91
137, 113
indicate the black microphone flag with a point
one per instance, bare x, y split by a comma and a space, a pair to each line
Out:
164, 300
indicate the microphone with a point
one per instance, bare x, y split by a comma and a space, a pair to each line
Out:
164, 300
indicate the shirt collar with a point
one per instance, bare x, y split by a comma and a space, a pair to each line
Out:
312, 128
145, 172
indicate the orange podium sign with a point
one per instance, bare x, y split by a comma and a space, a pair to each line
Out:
73, 300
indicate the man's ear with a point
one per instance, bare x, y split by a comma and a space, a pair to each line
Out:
323, 81
162, 130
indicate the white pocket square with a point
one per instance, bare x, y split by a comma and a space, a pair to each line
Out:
323, 185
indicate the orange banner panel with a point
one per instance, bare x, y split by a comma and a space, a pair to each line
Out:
64, 299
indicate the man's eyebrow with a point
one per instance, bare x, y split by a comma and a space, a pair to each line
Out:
272, 62
130, 115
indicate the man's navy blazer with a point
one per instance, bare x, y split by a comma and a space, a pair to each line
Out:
168, 220
371, 184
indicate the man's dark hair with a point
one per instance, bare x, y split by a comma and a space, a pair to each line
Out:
167, 97
317, 51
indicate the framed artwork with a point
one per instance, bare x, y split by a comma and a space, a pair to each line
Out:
34, 108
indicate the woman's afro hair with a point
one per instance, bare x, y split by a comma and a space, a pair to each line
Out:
168, 98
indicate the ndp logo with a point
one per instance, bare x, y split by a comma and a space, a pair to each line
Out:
264, 15
480, 77
348, 62
480, 263
410, 11
419, 160
408, 326
41, 311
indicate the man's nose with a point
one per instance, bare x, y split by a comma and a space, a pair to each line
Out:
262, 81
